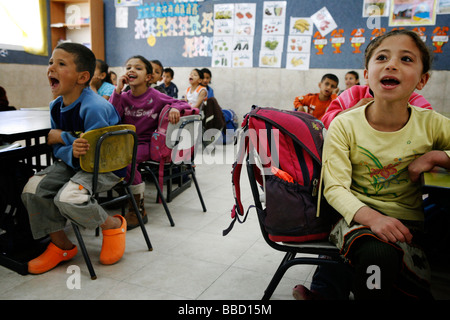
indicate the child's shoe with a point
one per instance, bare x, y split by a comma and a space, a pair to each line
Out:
113, 245
50, 258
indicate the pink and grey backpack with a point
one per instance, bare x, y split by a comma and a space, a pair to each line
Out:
289, 146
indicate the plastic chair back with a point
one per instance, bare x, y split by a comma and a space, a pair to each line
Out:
186, 133
116, 150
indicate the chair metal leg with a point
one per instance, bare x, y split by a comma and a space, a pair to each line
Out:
192, 170
141, 222
84, 251
288, 261
161, 196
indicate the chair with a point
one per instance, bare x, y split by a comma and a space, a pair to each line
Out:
180, 136
115, 148
326, 251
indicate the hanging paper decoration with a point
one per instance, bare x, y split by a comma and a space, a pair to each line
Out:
207, 22
337, 39
319, 42
161, 27
357, 39
440, 38
421, 32
172, 26
183, 26
195, 25
377, 32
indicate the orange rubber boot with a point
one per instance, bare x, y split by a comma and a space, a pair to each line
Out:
113, 245
50, 258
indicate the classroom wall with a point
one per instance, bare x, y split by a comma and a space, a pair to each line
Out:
240, 89
27, 86
24, 76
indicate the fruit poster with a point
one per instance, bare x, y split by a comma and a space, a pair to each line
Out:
234, 30
244, 21
297, 61
272, 37
300, 26
223, 19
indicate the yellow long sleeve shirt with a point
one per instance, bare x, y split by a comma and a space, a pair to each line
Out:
365, 167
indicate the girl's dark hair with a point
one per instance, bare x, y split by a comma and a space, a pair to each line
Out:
206, 70
84, 58
148, 65
427, 58
200, 73
354, 73
158, 63
103, 67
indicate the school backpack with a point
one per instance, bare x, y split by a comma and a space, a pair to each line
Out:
289, 144
231, 125
162, 147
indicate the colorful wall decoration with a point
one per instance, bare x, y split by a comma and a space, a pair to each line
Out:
290, 34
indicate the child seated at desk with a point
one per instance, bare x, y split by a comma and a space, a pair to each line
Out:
61, 192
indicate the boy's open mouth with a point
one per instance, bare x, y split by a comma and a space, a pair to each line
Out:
53, 82
389, 81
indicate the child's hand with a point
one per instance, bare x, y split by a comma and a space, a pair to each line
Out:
80, 147
54, 137
174, 116
121, 82
391, 229
386, 228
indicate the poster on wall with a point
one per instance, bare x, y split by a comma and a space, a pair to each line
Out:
443, 7
297, 61
223, 19
127, 3
272, 34
412, 13
376, 8
323, 21
244, 19
234, 29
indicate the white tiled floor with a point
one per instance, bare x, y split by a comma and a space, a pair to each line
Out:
191, 260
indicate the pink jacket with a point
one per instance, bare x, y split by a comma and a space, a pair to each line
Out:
351, 96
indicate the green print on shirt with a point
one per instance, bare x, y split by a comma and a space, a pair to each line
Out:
382, 176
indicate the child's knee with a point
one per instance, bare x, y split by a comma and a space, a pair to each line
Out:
73, 193
33, 184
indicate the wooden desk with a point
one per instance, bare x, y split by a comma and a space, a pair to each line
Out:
437, 179
436, 183
32, 126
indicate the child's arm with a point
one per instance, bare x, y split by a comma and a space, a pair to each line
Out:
54, 137
427, 162
298, 103
201, 98
121, 82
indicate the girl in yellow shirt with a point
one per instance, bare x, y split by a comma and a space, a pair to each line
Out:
372, 159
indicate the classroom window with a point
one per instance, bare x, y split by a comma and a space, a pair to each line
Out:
24, 26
